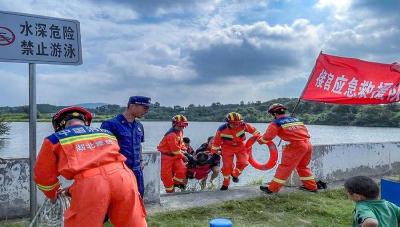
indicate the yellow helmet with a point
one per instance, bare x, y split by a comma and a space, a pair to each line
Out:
180, 120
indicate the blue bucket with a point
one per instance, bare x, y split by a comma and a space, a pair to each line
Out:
220, 222
390, 191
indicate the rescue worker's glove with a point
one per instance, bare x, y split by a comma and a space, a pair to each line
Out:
215, 151
64, 191
261, 140
182, 156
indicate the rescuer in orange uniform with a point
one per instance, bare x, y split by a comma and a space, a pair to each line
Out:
295, 155
172, 148
230, 138
90, 156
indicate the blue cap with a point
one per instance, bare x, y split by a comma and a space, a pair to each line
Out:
139, 100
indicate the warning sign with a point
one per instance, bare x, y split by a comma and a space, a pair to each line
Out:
38, 39
6, 36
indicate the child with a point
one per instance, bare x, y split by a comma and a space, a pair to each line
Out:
214, 158
369, 210
189, 149
199, 167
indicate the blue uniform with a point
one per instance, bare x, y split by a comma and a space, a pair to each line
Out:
129, 136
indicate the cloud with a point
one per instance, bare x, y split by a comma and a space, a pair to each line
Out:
160, 8
370, 31
253, 50
198, 52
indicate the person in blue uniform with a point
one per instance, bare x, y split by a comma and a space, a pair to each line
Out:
130, 134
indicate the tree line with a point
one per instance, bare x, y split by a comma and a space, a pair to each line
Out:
309, 112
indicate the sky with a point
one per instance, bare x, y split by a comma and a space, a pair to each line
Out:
181, 52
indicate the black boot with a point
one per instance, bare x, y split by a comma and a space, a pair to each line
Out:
235, 179
321, 185
224, 188
266, 189
181, 186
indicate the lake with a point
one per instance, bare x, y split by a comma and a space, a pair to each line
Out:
16, 144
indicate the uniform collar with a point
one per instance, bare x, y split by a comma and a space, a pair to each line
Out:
281, 116
121, 118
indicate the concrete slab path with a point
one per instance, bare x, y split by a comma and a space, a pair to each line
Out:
185, 200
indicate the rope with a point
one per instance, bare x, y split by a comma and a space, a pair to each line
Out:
52, 214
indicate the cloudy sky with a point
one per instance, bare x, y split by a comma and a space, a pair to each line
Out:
182, 52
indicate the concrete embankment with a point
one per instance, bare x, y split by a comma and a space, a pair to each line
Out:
332, 163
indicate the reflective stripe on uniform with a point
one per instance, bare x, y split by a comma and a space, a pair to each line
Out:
214, 148
277, 180
170, 188
256, 133
226, 136
227, 177
240, 133
292, 124
48, 187
263, 140
178, 179
176, 152
307, 178
73, 139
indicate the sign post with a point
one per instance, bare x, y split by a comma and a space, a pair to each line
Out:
35, 40
32, 137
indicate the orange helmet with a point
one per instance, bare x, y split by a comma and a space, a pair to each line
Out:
276, 107
180, 121
62, 116
234, 118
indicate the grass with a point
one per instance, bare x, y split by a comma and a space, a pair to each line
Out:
331, 208
14, 223
257, 181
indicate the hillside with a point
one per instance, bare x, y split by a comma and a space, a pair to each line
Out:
310, 113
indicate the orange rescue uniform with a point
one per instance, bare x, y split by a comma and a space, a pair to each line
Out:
232, 143
295, 155
102, 183
173, 169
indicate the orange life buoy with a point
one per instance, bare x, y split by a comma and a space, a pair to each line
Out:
273, 155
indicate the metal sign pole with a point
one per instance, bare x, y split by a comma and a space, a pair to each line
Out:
32, 136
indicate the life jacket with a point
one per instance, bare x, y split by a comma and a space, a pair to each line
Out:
71, 151
172, 143
290, 129
233, 137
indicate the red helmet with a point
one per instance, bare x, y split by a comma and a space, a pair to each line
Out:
234, 118
180, 121
62, 116
276, 107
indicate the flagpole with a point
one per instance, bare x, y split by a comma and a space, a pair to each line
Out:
304, 89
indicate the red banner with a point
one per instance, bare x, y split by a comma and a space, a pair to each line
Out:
352, 81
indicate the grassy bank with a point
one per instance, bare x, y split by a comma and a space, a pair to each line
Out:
296, 209
330, 208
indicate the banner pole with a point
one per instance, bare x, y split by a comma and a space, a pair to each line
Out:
304, 89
